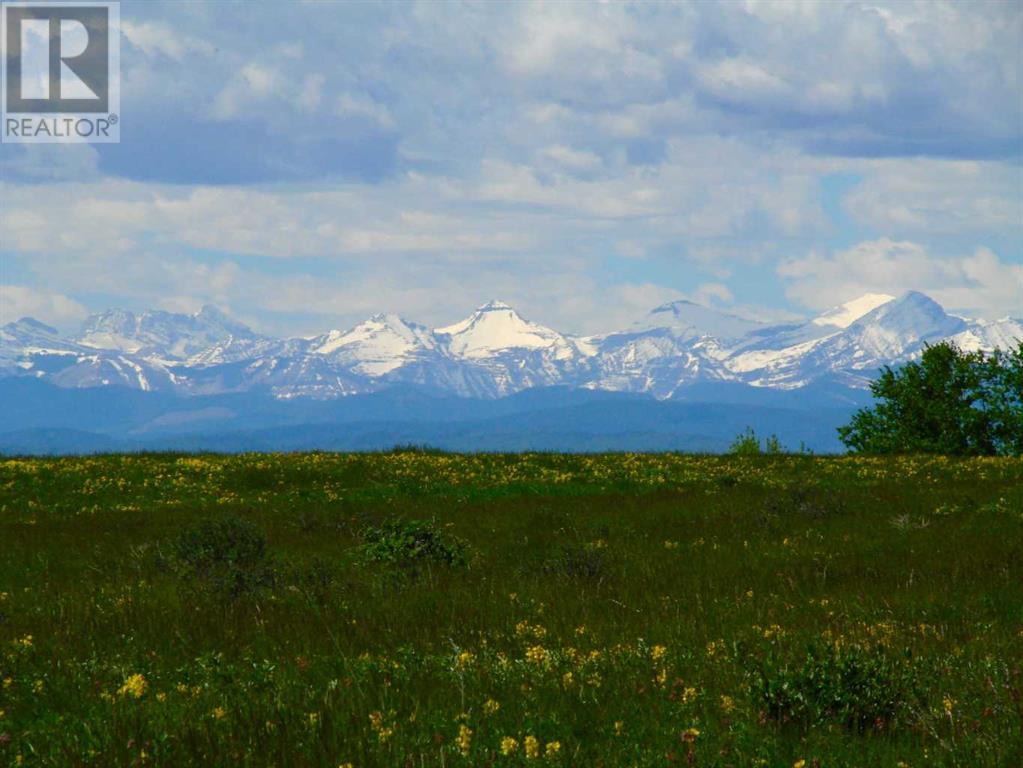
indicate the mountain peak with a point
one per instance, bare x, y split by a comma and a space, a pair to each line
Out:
389, 319
891, 328
494, 304
692, 319
846, 314
377, 345
212, 312
494, 327
33, 325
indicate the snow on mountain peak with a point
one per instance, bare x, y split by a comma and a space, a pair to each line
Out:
692, 319
30, 325
494, 327
375, 346
846, 314
494, 304
893, 328
165, 335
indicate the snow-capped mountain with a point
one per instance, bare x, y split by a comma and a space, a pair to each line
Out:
507, 353
376, 346
207, 336
493, 352
849, 347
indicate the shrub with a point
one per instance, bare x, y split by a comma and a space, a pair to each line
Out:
228, 556
748, 444
745, 444
854, 686
412, 543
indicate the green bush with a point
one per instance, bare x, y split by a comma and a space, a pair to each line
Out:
748, 444
950, 402
857, 687
228, 556
411, 543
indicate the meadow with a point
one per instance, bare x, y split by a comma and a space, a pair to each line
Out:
425, 609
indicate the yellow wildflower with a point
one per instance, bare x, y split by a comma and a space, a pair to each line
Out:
552, 749
464, 739
567, 679
531, 746
727, 704
509, 746
619, 727
538, 655
490, 707
799, 764
949, 704
219, 713
464, 660
134, 686
657, 652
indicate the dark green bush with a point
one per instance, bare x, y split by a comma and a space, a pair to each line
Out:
951, 402
228, 556
857, 687
413, 542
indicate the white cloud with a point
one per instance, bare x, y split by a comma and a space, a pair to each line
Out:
939, 197
17, 301
350, 105
573, 159
738, 79
979, 282
156, 39
713, 293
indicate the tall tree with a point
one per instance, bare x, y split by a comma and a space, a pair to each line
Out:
950, 401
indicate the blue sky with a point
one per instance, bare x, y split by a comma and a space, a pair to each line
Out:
303, 165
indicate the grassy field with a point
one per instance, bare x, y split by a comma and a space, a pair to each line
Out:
616, 610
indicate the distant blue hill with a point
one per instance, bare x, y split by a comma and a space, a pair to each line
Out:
53, 420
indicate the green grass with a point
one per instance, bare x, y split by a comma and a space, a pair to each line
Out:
635, 610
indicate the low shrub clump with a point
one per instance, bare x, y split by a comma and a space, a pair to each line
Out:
857, 687
413, 543
228, 556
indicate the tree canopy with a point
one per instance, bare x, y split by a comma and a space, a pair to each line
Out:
950, 401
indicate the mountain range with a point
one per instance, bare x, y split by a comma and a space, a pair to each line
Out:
205, 373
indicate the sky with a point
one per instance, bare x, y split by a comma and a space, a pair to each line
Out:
304, 165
